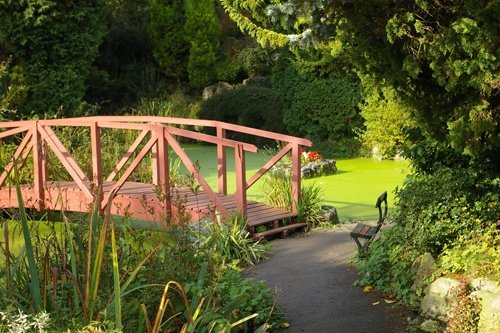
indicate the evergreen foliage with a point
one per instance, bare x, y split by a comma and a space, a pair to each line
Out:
386, 117
322, 109
53, 43
202, 30
166, 31
11, 94
252, 106
440, 57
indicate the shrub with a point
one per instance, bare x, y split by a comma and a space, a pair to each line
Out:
388, 267
251, 106
12, 91
322, 109
445, 213
230, 242
477, 255
386, 116
309, 206
437, 209
254, 297
276, 188
54, 44
62, 257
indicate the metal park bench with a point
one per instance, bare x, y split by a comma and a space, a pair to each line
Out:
366, 231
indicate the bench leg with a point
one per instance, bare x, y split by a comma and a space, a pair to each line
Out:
360, 247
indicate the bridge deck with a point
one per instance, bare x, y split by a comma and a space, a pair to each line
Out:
140, 201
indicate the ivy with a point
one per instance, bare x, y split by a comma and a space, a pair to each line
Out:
53, 44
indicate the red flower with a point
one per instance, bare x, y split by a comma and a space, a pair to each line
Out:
313, 156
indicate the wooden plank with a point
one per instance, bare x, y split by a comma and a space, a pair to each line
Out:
132, 194
263, 220
263, 234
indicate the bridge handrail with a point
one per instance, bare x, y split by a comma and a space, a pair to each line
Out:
176, 121
38, 130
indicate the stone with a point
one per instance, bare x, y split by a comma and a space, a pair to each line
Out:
485, 285
215, 89
261, 81
431, 326
310, 169
319, 168
425, 267
489, 317
329, 214
436, 302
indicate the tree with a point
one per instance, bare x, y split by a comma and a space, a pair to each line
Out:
166, 31
202, 30
386, 119
322, 103
441, 57
53, 45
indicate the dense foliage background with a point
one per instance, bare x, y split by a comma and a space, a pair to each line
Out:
418, 79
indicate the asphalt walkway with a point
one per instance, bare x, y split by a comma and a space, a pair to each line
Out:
314, 278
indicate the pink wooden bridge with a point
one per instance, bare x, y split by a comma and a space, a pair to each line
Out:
155, 138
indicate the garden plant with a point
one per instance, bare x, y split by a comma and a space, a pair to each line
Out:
416, 80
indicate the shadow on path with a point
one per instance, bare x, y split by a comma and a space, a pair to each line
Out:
314, 277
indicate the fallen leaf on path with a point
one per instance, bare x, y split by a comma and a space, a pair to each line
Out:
367, 289
389, 301
376, 303
391, 295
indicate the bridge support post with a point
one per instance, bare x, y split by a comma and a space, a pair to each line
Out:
241, 183
162, 168
39, 168
221, 162
296, 176
95, 139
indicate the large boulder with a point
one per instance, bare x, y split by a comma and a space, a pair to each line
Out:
329, 214
436, 303
438, 296
425, 266
488, 295
215, 89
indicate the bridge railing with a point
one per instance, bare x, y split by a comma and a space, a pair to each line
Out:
39, 137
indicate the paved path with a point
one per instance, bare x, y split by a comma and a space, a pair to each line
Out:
314, 277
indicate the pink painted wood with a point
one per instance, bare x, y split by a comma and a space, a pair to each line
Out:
161, 132
19, 156
221, 162
38, 172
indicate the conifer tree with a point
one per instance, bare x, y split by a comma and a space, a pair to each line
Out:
166, 31
440, 57
202, 30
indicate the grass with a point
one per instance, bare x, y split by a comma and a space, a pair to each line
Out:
353, 190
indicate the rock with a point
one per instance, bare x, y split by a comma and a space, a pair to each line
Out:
215, 89
425, 264
261, 81
431, 326
310, 169
436, 302
485, 285
329, 214
319, 168
489, 317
